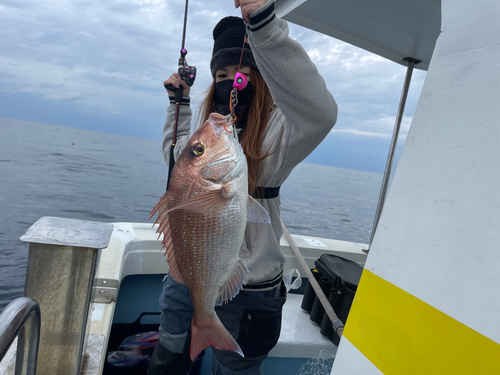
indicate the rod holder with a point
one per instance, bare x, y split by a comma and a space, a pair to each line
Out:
60, 275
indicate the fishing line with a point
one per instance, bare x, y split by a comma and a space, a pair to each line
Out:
213, 22
196, 50
242, 49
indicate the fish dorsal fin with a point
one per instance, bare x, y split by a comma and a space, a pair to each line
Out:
209, 203
256, 213
234, 284
164, 228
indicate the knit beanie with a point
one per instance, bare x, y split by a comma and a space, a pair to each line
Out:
228, 41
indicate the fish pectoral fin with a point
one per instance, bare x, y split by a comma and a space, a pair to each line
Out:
234, 284
161, 207
210, 203
256, 213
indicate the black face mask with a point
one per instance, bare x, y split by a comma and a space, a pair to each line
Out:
223, 94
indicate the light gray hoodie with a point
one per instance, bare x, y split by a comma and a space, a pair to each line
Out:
305, 115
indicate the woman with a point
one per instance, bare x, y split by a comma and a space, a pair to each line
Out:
283, 114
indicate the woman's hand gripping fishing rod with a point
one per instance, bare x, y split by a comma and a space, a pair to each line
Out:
184, 77
175, 84
178, 85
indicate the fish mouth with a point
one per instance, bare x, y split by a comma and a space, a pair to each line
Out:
219, 124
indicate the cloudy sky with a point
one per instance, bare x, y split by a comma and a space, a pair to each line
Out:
100, 65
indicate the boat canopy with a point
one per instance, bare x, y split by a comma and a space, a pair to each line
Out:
393, 29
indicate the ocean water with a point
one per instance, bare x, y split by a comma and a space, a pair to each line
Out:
48, 170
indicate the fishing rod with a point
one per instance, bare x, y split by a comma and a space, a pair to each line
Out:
188, 75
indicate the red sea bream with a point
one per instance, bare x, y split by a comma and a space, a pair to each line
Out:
202, 218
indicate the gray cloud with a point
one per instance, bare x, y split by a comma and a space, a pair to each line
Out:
111, 57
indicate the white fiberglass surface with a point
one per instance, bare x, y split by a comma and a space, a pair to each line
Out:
392, 29
300, 337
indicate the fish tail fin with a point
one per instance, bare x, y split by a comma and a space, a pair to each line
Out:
211, 332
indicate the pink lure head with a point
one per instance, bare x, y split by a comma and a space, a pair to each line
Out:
240, 81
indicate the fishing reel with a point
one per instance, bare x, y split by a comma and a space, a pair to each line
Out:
187, 73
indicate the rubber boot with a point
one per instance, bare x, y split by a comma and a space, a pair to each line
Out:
165, 362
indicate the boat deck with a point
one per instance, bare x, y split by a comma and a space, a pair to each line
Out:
128, 282
134, 258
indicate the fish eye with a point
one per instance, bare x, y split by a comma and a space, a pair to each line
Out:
198, 149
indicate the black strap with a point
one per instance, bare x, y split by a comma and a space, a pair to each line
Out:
266, 285
269, 192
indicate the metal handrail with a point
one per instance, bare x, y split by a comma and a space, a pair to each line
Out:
12, 324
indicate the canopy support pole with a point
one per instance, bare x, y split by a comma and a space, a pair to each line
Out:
390, 158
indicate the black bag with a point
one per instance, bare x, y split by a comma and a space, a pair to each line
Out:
338, 279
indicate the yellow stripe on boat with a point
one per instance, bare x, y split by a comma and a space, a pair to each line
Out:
401, 334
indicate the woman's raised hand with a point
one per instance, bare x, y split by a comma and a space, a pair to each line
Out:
248, 6
176, 81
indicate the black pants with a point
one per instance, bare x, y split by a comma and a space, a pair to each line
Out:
252, 318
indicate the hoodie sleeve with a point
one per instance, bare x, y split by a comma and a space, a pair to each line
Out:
308, 108
183, 128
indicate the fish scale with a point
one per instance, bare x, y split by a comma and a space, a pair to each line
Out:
203, 218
